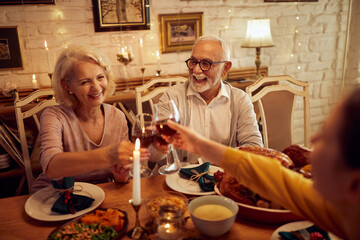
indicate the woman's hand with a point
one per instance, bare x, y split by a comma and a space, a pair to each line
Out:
122, 153
120, 173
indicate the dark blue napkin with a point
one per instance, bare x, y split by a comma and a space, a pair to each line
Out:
68, 202
206, 181
312, 229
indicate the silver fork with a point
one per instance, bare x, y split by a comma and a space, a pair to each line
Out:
305, 234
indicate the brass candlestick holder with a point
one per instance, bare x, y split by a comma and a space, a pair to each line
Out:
138, 232
158, 73
142, 74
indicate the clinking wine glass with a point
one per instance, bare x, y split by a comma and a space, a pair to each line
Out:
144, 129
163, 112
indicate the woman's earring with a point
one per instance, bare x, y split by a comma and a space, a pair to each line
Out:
70, 92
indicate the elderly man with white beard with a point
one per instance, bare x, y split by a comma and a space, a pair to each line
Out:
208, 105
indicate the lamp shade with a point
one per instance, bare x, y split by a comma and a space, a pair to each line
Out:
258, 34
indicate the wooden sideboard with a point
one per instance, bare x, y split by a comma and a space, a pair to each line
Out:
240, 78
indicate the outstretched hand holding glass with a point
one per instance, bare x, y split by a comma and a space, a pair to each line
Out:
163, 112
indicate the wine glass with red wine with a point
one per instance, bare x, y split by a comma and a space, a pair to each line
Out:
162, 112
144, 129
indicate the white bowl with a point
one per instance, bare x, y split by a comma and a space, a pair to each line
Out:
213, 228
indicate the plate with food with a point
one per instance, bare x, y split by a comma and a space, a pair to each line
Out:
294, 226
38, 205
251, 205
110, 224
186, 186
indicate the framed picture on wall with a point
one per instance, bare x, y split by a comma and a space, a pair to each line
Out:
121, 15
10, 51
178, 32
17, 2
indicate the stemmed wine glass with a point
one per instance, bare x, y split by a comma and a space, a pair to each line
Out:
144, 129
163, 112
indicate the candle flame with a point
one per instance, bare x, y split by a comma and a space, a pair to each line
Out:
137, 144
157, 54
143, 130
33, 76
141, 42
45, 44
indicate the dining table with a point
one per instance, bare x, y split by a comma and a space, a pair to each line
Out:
16, 224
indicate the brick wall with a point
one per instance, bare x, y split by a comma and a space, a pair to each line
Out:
309, 41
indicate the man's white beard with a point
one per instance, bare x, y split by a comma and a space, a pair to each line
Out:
198, 87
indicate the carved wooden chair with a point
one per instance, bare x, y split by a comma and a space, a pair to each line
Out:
152, 91
31, 106
274, 100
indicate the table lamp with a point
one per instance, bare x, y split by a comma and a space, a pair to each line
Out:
258, 35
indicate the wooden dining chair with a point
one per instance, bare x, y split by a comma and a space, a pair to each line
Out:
274, 102
152, 91
31, 106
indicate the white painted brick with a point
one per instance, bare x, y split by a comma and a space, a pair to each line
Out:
283, 31
326, 19
326, 56
276, 70
316, 111
73, 3
275, 10
325, 43
292, 21
331, 28
311, 77
250, 12
283, 59
327, 90
332, 7
308, 57
312, 8
319, 66
313, 30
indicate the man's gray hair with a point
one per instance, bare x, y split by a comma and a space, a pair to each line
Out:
223, 44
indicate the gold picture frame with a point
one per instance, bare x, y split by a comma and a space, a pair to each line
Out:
178, 32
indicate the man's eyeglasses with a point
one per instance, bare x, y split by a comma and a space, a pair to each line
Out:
205, 65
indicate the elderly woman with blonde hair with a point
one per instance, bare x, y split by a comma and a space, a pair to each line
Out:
83, 137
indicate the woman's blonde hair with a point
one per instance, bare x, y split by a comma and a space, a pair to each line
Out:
65, 67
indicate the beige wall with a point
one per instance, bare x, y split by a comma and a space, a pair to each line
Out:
321, 30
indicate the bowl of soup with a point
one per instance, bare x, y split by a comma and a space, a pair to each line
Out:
213, 215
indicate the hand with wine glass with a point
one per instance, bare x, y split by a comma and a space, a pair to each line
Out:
162, 112
144, 129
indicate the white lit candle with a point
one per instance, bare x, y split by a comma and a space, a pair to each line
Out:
34, 82
136, 174
158, 61
167, 231
141, 53
48, 57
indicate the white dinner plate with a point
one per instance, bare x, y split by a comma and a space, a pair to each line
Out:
293, 226
179, 184
38, 205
